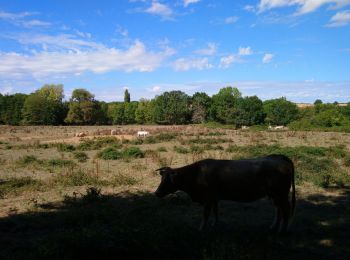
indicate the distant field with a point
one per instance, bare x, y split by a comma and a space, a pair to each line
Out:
65, 196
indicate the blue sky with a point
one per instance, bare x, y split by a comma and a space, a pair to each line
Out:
299, 49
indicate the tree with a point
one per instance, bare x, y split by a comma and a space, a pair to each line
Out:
224, 104
11, 108
83, 108
172, 108
45, 106
280, 111
318, 102
126, 96
200, 107
249, 111
144, 111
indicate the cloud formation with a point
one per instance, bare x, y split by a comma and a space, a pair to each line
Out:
183, 64
210, 50
188, 2
76, 61
159, 9
339, 19
267, 58
304, 6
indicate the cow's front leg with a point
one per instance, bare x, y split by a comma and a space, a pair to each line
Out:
206, 214
276, 223
215, 209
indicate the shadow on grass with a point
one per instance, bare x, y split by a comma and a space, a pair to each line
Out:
141, 226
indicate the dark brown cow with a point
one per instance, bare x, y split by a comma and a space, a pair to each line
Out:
209, 181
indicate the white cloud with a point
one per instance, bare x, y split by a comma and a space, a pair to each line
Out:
188, 2
267, 58
225, 62
339, 19
162, 10
19, 19
183, 64
249, 8
155, 89
231, 19
304, 6
96, 60
210, 50
245, 51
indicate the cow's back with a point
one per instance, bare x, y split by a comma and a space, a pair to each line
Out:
245, 180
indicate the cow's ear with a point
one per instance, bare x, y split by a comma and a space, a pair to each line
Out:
161, 170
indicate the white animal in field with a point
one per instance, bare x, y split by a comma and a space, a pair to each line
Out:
142, 133
279, 127
244, 127
113, 132
81, 134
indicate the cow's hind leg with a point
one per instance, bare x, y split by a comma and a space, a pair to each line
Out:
285, 210
277, 221
206, 214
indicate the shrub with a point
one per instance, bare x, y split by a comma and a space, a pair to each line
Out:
62, 147
121, 180
180, 149
59, 163
162, 149
132, 152
28, 160
19, 185
77, 178
110, 153
81, 156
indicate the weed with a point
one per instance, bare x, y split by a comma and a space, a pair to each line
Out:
81, 156
161, 149
62, 147
19, 185
123, 180
180, 149
132, 152
109, 153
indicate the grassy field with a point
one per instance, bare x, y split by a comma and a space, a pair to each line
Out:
66, 197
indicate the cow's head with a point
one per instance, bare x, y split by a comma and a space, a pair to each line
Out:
167, 184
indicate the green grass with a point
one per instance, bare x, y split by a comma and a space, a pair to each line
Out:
81, 156
62, 147
16, 186
98, 143
181, 149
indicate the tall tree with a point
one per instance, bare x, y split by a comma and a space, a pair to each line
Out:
224, 105
45, 106
200, 107
249, 111
83, 108
172, 108
126, 96
11, 108
280, 111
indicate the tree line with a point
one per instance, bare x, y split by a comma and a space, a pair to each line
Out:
46, 106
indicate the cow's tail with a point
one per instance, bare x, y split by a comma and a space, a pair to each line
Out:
293, 192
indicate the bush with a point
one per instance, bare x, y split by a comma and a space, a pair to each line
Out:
162, 149
77, 178
110, 153
180, 149
28, 160
132, 152
81, 156
59, 163
19, 185
65, 147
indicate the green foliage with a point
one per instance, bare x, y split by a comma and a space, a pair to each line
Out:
81, 156
144, 111
45, 106
11, 108
172, 108
126, 96
55, 163
62, 147
123, 180
110, 153
76, 178
17, 186
132, 152
83, 109
28, 160
97, 143
280, 111
224, 104
249, 111
181, 149
200, 107
161, 149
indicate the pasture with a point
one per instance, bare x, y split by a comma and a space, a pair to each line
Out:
63, 196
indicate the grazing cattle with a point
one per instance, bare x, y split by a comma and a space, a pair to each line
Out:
113, 132
209, 181
244, 127
142, 133
279, 127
